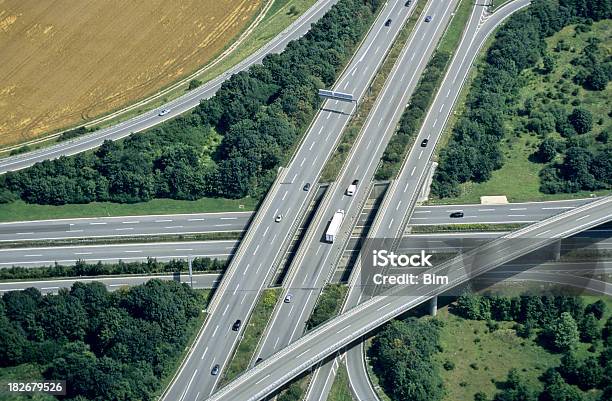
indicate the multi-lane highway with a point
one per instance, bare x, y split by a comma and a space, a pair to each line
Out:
277, 219
174, 224
180, 105
316, 258
286, 364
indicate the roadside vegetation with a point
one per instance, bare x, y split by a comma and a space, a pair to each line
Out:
536, 117
230, 146
328, 305
81, 269
107, 346
523, 348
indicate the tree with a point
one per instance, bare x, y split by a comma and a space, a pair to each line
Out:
581, 120
547, 150
598, 309
516, 389
564, 332
194, 83
589, 328
556, 389
548, 63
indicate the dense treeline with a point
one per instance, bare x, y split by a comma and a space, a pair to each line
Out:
402, 356
107, 346
82, 268
229, 146
473, 152
413, 116
560, 324
328, 305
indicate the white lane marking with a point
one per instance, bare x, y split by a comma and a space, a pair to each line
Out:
285, 194
225, 310
223, 225
315, 160
434, 124
229, 218
516, 215
130, 222
311, 145
448, 93
342, 329
299, 355
215, 332
318, 249
290, 310
172, 227
542, 233
262, 379
518, 208
391, 222
256, 249
184, 249
163, 221
276, 342
246, 269
398, 205
583, 217
383, 307
377, 49
117, 285
328, 115
258, 267
50, 288
97, 224
24, 233
302, 163
558, 207
411, 174
420, 154
403, 75
132, 251
321, 130
421, 211
74, 231
406, 187
487, 210
243, 298
236, 290
31, 256
266, 231
82, 253
441, 107
195, 219
124, 229
188, 385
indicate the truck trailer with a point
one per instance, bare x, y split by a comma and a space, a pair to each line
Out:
334, 226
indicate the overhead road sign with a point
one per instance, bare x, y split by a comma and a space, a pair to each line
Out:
345, 97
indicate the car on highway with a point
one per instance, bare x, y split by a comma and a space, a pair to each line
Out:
456, 215
236, 325
258, 360
407, 3
215, 370
288, 298
350, 191
424, 142
163, 112
307, 186
428, 18
278, 218
388, 22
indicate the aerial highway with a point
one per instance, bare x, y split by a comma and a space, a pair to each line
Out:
316, 259
398, 206
196, 223
334, 335
274, 225
223, 249
180, 105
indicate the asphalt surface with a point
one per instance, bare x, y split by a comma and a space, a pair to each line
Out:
196, 223
400, 199
255, 261
164, 251
180, 105
316, 259
273, 372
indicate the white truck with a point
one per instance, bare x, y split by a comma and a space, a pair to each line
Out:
334, 226
350, 191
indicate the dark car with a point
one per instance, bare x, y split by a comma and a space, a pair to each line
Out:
388, 22
258, 360
355, 182
236, 325
407, 4
428, 18
424, 142
307, 186
456, 215
215, 370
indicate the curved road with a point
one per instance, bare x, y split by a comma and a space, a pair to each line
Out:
178, 106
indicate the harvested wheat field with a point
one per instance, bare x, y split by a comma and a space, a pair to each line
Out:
65, 61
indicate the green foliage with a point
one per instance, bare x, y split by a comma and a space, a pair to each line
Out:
564, 332
259, 114
581, 120
82, 268
402, 356
515, 389
107, 346
473, 151
589, 328
328, 305
194, 83
73, 133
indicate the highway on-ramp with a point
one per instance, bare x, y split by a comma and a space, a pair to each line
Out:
180, 105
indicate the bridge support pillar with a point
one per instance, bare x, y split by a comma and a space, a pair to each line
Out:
433, 306
556, 251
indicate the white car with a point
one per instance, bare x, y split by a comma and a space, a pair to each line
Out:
278, 218
288, 298
163, 112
